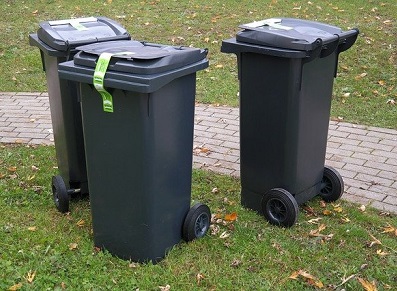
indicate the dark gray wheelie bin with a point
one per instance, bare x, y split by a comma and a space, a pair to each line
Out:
138, 139
57, 41
286, 69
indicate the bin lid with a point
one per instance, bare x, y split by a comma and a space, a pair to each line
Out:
64, 35
134, 66
288, 33
136, 57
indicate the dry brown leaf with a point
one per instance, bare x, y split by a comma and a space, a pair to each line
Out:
362, 75
374, 242
314, 220
30, 276
80, 223
73, 246
327, 212
235, 263
224, 235
165, 288
368, 286
337, 208
381, 253
12, 169
15, 287
199, 278
230, 217
32, 228
345, 219
390, 229
308, 278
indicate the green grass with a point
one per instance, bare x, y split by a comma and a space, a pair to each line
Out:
206, 24
36, 239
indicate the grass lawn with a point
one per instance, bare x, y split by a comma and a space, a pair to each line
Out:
364, 92
340, 245
332, 247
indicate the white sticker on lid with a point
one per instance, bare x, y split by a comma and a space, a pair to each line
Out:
271, 22
73, 21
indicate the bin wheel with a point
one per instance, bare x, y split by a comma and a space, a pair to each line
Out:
280, 207
197, 222
60, 194
332, 185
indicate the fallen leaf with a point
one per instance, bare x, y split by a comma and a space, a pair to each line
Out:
374, 242
199, 277
73, 246
165, 288
32, 228
2, 175
337, 208
381, 253
224, 235
368, 286
15, 287
34, 168
30, 276
362, 75
381, 82
231, 216
314, 220
12, 169
345, 219
235, 263
214, 229
308, 278
214, 190
80, 223
133, 265
327, 212
219, 66
390, 229
391, 102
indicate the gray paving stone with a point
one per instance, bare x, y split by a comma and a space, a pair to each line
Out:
366, 157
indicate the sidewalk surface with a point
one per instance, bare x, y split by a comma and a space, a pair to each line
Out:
366, 157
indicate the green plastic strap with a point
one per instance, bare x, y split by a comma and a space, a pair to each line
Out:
99, 75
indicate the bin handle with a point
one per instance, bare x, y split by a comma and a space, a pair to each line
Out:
329, 48
347, 39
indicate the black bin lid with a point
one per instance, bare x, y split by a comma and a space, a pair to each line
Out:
288, 33
64, 35
136, 57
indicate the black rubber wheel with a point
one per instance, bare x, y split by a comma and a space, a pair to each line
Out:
280, 208
60, 194
332, 185
197, 222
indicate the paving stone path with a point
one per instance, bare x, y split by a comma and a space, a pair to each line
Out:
365, 156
